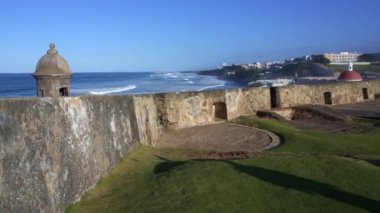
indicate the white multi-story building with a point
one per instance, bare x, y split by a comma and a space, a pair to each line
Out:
257, 65
342, 57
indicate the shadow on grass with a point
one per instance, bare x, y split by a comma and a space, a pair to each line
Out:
374, 162
287, 180
167, 165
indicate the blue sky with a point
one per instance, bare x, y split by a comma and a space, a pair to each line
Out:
176, 35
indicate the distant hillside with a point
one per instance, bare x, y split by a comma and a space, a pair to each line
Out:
369, 57
305, 69
358, 68
235, 73
377, 56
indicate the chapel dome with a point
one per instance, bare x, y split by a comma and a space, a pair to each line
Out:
350, 76
52, 64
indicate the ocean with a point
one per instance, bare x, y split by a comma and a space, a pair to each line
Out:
23, 84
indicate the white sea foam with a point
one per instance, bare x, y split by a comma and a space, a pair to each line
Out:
156, 75
166, 75
172, 75
208, 87
112, 90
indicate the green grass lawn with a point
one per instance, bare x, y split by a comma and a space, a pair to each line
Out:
364, 145
358, 68
301, 175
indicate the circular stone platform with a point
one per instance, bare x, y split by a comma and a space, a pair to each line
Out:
221, 137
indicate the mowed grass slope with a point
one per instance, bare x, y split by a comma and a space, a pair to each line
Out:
302, 175
364, 145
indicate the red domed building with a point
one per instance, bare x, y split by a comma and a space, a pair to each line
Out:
350, 75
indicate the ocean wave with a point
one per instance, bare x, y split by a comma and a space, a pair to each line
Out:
168, 75
208, 87
172, 75
156, 75
112, 90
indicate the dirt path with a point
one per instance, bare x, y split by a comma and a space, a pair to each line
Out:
221, 137
366, 109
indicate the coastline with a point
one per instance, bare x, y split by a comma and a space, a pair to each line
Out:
23, 85
220, 76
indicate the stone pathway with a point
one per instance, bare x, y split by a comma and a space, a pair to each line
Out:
367, 109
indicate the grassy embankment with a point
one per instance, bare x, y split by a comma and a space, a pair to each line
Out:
302, 175
358, 68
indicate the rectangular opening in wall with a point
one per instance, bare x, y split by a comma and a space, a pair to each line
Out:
365, 93
41, 93
273, 97
64, 91
220, 111
327, 97
377, 96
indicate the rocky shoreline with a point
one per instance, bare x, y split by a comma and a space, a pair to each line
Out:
219, 74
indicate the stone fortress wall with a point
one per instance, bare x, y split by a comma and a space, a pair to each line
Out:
158, 112
340, 93
52, 150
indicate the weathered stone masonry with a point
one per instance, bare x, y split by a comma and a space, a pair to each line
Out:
341, 93
52, 150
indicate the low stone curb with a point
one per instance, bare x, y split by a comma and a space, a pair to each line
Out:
275, 140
